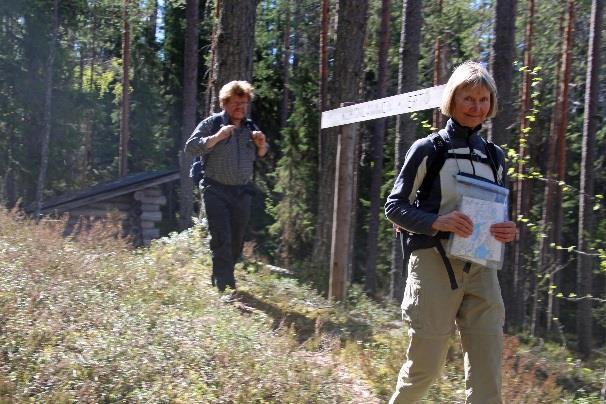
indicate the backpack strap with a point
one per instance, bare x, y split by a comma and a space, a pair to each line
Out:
411, 242
491, 150
435, 165
250, 124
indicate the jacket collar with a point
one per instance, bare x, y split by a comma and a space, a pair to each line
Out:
455, 130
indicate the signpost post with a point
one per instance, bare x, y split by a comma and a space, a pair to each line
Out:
348, 116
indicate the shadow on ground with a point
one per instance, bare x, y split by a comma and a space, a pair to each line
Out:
304, 326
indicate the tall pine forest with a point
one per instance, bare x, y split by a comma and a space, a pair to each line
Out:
94, 89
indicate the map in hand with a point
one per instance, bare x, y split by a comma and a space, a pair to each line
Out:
481, 246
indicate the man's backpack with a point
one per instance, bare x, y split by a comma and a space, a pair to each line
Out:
198, 165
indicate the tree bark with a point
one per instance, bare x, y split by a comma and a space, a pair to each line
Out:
585, 263
521, 191
211, 95
324, 53
552, 213
438, 66
235, 43
152, 24
561, 126
124, 133
408, 71
378, 140
190, 95
501, 62
286, 55
48, 105
349, 52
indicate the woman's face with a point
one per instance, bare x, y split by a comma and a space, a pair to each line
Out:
471, 105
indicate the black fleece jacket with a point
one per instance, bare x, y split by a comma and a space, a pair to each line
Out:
467, 154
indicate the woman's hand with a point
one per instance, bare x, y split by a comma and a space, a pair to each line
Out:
455, 222
503, 232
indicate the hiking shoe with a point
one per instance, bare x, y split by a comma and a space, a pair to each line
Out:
229, 297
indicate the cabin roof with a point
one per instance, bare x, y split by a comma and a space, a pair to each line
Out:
106, 190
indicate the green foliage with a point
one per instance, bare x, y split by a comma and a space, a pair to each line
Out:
88, 319
92, 321
85, 115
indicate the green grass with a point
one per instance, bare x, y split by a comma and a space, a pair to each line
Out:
90, 320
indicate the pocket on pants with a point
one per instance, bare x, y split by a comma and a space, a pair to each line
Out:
493, 298
412, 296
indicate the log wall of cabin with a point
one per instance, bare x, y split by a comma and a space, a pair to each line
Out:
139, 213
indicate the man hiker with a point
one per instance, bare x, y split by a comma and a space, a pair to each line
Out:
228, 144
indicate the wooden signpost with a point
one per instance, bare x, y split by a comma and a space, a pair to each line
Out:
347, 117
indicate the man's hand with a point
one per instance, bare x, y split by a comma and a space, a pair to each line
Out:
455, 222
258, 139
503, 232
223, 133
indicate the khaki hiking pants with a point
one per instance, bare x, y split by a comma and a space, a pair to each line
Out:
432, 308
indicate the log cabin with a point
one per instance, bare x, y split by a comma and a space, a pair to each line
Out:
135, 199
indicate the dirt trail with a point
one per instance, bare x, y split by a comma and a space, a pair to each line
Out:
348, 385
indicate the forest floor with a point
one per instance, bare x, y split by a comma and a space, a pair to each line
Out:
91, 320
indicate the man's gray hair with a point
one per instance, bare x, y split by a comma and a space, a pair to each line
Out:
238, 88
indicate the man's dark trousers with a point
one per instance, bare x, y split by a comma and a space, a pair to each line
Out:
227, 211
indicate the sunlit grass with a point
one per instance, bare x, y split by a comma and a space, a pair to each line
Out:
88, 319
99, 322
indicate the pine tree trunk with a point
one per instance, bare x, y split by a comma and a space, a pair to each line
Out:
152, 24
190, 95
561, 126
378, 140
124, 133
48, 105
521, 189
438, 65
437, 75
324, 54
235, 43
211, 95
348, 68
286, 55
585, 263
323, 237
408, 71
548, 262
501, 62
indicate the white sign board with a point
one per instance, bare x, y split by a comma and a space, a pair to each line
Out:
384, 107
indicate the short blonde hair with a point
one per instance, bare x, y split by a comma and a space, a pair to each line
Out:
469, 74
238, 88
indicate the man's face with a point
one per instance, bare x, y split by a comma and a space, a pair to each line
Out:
236, 107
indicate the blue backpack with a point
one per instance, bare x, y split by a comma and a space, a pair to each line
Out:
198, 165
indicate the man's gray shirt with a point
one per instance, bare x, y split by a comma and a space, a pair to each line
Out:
230, 161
